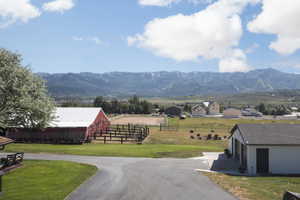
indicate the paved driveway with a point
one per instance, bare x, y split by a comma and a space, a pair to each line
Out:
143, 179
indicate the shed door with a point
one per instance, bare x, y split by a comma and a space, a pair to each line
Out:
262, 161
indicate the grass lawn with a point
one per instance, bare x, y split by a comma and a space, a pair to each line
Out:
44, 180
256, 188
123, 150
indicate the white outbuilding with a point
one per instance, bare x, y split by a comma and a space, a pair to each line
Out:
266, 148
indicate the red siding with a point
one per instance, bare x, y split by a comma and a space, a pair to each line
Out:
100, 124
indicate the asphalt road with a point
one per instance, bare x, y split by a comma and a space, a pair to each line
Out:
142, 179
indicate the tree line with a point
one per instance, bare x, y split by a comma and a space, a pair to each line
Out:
133, 106
271, 109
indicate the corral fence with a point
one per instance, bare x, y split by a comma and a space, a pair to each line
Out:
122, 134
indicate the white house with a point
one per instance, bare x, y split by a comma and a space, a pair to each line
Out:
266, 148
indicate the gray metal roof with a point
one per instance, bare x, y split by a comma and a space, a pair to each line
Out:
269, 134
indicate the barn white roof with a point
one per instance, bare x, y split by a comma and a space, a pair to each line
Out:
74, 117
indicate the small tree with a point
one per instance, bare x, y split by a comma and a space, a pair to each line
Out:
262, 108
23, 96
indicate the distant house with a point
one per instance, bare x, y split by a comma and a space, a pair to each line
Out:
206, 108
250, 112
71, 125
213, 108
266, 148
232, 113
198, 111
173, 111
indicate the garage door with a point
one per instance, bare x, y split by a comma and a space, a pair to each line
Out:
262, 161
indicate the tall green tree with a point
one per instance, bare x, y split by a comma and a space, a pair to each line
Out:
23, 95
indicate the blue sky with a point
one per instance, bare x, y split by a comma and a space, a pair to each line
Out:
104, 36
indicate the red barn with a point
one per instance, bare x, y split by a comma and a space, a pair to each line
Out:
71, 125
93, 119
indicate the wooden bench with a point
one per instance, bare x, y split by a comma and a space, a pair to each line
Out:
11, 160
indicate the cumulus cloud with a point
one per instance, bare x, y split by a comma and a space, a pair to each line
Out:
213, 33
12, 11
234, 63
282, 19
58, 5
168, 2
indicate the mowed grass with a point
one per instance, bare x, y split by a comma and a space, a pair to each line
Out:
119, 150
44, 180
256, 188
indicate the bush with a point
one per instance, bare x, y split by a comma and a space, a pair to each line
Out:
227, 153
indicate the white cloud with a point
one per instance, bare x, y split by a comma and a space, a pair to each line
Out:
95, 40
235, 63
168, 2
58, 5
282, 19
212, 33
12, 11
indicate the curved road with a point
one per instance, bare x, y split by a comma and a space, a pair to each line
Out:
142, 179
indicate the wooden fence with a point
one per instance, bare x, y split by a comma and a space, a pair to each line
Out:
122, 134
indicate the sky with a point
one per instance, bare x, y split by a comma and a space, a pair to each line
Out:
59, 36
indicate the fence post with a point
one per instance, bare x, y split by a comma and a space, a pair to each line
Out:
104, 139
121, 139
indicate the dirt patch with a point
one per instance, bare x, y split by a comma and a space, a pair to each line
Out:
139, 120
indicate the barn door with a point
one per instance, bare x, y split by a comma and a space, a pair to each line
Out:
262, 161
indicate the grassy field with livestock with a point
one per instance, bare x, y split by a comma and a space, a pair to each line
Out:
190, 139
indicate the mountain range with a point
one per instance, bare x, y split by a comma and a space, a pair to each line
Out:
164, 83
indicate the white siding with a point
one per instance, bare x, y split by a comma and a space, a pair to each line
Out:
236, 135
282, 159
230, 146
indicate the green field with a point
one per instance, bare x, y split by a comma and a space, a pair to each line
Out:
44, 180
219, 126
158, 143
124, 150
256, 188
